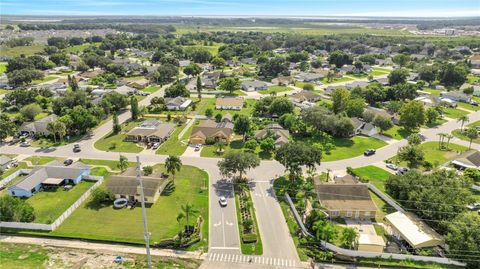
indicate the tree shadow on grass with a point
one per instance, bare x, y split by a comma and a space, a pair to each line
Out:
169, 189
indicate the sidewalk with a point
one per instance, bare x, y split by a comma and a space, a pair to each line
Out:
103, 247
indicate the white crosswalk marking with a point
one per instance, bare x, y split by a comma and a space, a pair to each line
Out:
235, 258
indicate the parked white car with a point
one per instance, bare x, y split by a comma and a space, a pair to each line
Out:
156, 145
391, 166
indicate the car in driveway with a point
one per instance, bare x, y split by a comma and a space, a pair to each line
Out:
25, 144
222, 201
369, 152
473, 206
156, 145
76, 148
197, 147
391, 166
401, 170
68, 162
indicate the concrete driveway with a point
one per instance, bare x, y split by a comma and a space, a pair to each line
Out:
190, 152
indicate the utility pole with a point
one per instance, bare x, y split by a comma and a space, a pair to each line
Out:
144, 215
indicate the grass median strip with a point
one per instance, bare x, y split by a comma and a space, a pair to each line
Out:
250, 239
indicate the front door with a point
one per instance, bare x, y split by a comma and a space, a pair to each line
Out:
357, 214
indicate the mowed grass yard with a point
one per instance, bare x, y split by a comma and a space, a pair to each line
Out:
116, 142
276, 90
458, 133
17, 51
207, 103
125, 225
173, 145
454, 113
375, 175
349, 148
3, 67
41, 160
437, 156
50, 204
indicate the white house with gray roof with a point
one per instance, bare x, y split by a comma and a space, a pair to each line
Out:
48, 176
253, 85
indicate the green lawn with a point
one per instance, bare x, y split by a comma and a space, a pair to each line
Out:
397, 132
22, 256
342, 79
276, 89
41, 160
91, 221
17, 51
239, 93
3, 67
117, 143
459, 134
45, 79
132, 78
252, 248
433, 92
50, 204
454, 113
174, 146
80, 48
301, 84
109, 163
212, 49
349, 148
207, 103
235, 145
383, 208
434, 155
377, 73
6, 173
438, 156
151, 89
375, 175
468, 106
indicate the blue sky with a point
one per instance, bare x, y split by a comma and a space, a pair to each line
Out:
400, 8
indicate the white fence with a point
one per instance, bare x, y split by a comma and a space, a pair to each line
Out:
59, 220
7, 180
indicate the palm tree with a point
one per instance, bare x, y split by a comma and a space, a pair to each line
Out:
57, 128
173, 164
463, 119
448, 136
187, 211
471, 133
440, 139
220, 145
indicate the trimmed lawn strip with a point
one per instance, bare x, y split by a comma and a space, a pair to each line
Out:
377, 73
248, 248
342, 79
151, 89
50, 204
375, 175
210, 151
385, 263
3, 67
45, 79
117, 143
47, 142
41, 160
109, 163
6, 173
458, 133
454, 113
173, 145
207, 103
349, 148
126, 225
276, 89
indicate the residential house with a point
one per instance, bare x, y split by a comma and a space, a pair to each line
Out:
232, 63
364, 128
139, 84
330, 89
475, 61
229, 103
468, 159
308, 96
5, 162
127, 186
383, 62
37, 128
177, 103
277, 132
347, 68
309, 77
383, 81
354, 84
90, 74
382, 112
150, 131
457, 96
125, 90
209, 129
253, 85
48, 177
408, 228
351, 201
476, 88
251, 61
282, 81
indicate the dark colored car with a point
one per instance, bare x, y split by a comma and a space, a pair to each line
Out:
401, 170
68, 162
76, 148
369, 152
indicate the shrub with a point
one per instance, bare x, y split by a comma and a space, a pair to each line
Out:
209, 141
249, 238
15, 209
101, 195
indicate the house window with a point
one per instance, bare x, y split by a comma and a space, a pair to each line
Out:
335, 213
367, 213
349, 213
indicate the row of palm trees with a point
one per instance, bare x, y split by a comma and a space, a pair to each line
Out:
471, 133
